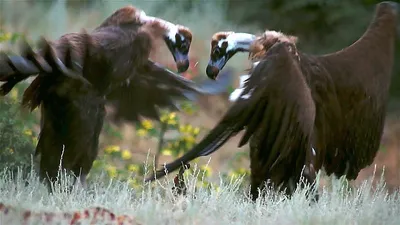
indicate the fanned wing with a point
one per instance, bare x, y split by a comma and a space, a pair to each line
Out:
151, 87
15, 69
362, 74
275, 109
214, 87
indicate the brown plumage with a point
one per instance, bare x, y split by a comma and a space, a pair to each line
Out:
301, 111
79, 73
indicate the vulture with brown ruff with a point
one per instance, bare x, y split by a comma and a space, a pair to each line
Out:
80, 72
303, 112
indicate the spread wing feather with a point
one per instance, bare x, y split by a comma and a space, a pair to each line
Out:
275, 109
151, 87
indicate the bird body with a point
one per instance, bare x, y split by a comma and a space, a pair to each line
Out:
301, 112
80, 72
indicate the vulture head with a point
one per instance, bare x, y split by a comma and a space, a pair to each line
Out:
178, 38
226, 44
178, 43
223, 46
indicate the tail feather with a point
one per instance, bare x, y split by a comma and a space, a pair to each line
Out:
15, 69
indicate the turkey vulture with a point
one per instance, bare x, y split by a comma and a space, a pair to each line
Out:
301, 111
78, 74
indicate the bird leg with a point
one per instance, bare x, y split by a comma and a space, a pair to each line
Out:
179, 187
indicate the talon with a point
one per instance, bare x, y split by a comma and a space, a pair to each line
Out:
179, 181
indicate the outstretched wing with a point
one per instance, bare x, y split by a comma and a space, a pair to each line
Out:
362, 74
275, 109
151, 87
15, 69
214, 87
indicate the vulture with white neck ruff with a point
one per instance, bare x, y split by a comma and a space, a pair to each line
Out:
81, 72
302, 112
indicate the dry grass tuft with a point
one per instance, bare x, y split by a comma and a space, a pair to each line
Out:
227, 204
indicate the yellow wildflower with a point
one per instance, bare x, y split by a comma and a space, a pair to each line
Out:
196, 131
112, 171
126, 154
207, 170
189, 128
182, 128
133, 168
11, 150
14, 94
35, 140
164, 118
96, 163
141, 132
28, 132
172, 116
147, 124
172, 119
112, 148
243, 171
5, 37
172, 122
167, 152
189, 139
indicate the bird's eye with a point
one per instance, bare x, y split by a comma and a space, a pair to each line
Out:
184, 46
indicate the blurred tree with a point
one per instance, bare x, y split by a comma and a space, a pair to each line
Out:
81, 4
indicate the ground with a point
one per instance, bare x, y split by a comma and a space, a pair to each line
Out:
227, 204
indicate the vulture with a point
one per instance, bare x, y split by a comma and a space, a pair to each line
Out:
78, 74
301, 112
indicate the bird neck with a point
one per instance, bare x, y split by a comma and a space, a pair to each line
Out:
241, 41
160, 27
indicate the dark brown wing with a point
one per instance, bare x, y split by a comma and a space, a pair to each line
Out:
107, 56
276, 106
151, 88
15, 69
115, 33
362, 76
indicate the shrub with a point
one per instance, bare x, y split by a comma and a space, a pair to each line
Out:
17, 140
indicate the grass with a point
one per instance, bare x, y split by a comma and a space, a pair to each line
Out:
227, 203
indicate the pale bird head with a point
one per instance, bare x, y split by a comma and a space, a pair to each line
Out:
223, 46
178, 39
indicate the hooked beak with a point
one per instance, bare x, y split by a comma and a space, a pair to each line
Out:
214, 67
182, 61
